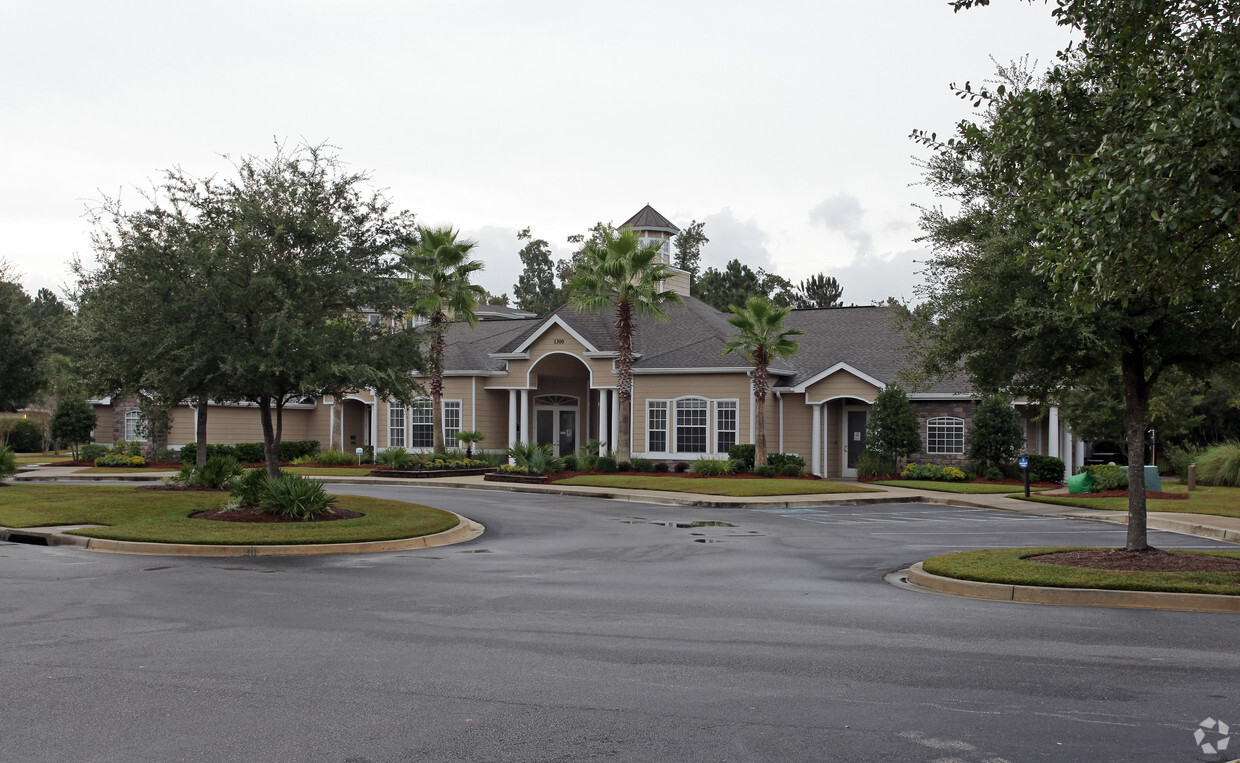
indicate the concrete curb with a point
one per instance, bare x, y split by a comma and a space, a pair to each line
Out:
1073, 597
466, 530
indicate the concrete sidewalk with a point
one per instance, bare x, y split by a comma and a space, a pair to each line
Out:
1200, 525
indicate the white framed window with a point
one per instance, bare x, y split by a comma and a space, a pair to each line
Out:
451, 422
396, 425
131, 427
945, 436
374, 319
656, 426
725, 425
691, 425
421, 424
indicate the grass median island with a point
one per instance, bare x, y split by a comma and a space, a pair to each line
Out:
305, 471
739, 488
1218, 501
1012, 567
970, 488
163, 517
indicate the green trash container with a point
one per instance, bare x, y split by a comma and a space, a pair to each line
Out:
1080, 483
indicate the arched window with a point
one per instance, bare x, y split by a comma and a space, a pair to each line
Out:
945, 436
131, 427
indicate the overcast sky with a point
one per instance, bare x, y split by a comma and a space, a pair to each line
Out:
783, 125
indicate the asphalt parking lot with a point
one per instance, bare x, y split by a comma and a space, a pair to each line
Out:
579, 629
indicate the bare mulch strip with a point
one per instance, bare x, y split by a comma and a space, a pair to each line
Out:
1124, 494
1152, 560
255, 514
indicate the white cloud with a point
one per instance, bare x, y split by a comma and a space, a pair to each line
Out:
843, 214
734, 239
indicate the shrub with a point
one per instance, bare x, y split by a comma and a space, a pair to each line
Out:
248, 489
994, 474
535, 458
606, 464
570, 463
118, 460
1108, 478
737, 466
643, 465
789, 470
745, 452
249, 452
779, 460
165, 455
8, 463
952, 474
25, 437
766, 470
915, 471
333, 457
625, 466
874, 464
189, 451
681, 467
661, 466
1180, 458
92, 451
218, 472
712, 467
294, 497
996, 435
492, 457
1220, 464
393, 458
73, 421
293, 449
1045, 469
892, 428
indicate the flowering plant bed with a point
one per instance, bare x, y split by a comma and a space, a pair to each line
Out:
408, 473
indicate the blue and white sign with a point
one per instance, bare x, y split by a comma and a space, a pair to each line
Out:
1024, 462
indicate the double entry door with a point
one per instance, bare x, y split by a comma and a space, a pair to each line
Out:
556, 425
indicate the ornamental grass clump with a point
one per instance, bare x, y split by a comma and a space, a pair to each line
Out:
1220, 464
393, 458
712, 467
292, 496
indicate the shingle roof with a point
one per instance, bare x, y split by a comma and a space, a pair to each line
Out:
865, 338
502, 311
649, 219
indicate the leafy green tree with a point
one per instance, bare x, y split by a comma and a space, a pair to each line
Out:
536, 289
892, 429
618, 273
250, 288
761, 337
594, 237
722, 289
689, 243
1115, 176
73, 421
1094, 408
821, 291
441, 292
22, 350
994, 437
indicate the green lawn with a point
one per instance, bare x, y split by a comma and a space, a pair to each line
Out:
153, 515
25, 459
1219, 501
317, 471
1008, 565
715, 485
954, 487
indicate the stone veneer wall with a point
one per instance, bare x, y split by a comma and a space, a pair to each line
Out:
120, 407
933, 409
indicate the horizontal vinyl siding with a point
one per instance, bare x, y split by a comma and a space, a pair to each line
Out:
709, 386
842, 384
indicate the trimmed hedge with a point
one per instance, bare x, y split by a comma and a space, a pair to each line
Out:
25, 437
1046, 469
746, 452
252, 452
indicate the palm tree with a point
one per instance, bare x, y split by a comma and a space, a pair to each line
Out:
761, 337
442, 292
618, 273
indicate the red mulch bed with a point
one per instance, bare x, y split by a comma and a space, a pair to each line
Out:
157, 465
978, 481
1124, 494
1150, 560
255, 514
746, 476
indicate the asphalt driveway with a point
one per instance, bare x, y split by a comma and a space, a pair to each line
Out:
581, 629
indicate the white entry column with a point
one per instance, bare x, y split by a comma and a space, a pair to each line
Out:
816, 440
525, 417
604, 425
826, 438
1053, 437
615, 420
513, 413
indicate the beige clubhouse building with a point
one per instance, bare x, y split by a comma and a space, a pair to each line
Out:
522, 378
